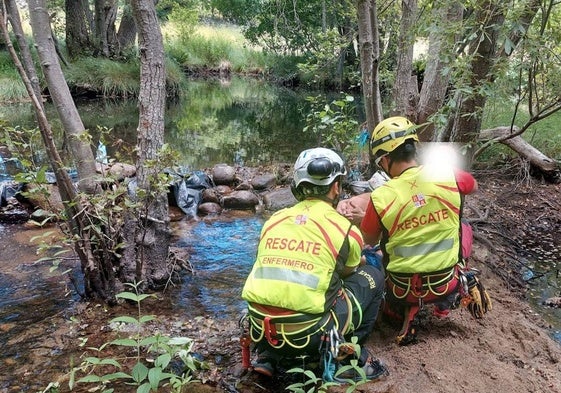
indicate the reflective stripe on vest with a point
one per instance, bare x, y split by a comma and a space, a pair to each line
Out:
273, 273
423, 249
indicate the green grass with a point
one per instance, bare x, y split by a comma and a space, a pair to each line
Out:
12, 88
211, 47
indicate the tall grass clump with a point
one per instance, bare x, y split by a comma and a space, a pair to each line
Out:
12, 88
110, 78
211, 46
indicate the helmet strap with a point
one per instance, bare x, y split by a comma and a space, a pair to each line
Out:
390, 163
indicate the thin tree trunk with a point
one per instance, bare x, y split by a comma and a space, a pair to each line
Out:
26, 58
406, 93
435, 83
127, 29
148, 244
366, 48
375, 88
58, 89
467, 122
78, 28
99, 276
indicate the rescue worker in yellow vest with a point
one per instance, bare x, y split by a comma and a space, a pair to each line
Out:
307, 287
416, 216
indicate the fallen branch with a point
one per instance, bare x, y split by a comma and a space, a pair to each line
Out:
510, 137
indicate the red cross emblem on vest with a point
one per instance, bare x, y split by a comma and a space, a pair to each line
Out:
300, 219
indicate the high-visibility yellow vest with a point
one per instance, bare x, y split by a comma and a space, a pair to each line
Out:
295, 266
420, 214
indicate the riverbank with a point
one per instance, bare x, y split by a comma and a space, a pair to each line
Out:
510, 350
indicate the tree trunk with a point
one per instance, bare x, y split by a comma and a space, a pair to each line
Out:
27, 59
148, 240
440, 55
105, 15
406, 92
366, 48
96, 284
375, 88
127, 29
542, 163
483, 50
78, 28
58, 89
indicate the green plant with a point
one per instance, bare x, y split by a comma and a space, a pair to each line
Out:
151, 356
311, 383
334, 123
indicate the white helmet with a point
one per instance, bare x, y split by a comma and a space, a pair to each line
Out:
318, 166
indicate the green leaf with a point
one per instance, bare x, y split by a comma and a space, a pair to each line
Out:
92, 360
180, 341
163, 360
125, 342
125, 319
154, 377
128, 295
295, 387
310, 375
89, 378
144, 388
509, 46
115, 376
148, 341
112, 362
139, 372
147, 318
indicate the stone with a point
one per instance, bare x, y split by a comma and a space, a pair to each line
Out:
242, 200
279, 199
223, 174
265, 181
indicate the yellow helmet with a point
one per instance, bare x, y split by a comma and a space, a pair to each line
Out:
391, 133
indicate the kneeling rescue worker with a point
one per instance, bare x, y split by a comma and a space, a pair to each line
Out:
416, 216
307, 292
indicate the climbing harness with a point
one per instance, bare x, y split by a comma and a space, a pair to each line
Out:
286, 327
429, 287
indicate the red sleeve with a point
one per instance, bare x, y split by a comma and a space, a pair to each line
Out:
466, 182
370, 224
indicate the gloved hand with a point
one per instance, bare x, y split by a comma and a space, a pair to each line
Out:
480, 301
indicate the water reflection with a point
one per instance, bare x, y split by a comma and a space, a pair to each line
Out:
222, 253
245, 121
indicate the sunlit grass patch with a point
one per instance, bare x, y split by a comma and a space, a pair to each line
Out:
212, 46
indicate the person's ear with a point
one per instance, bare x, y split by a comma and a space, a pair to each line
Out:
335, 187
